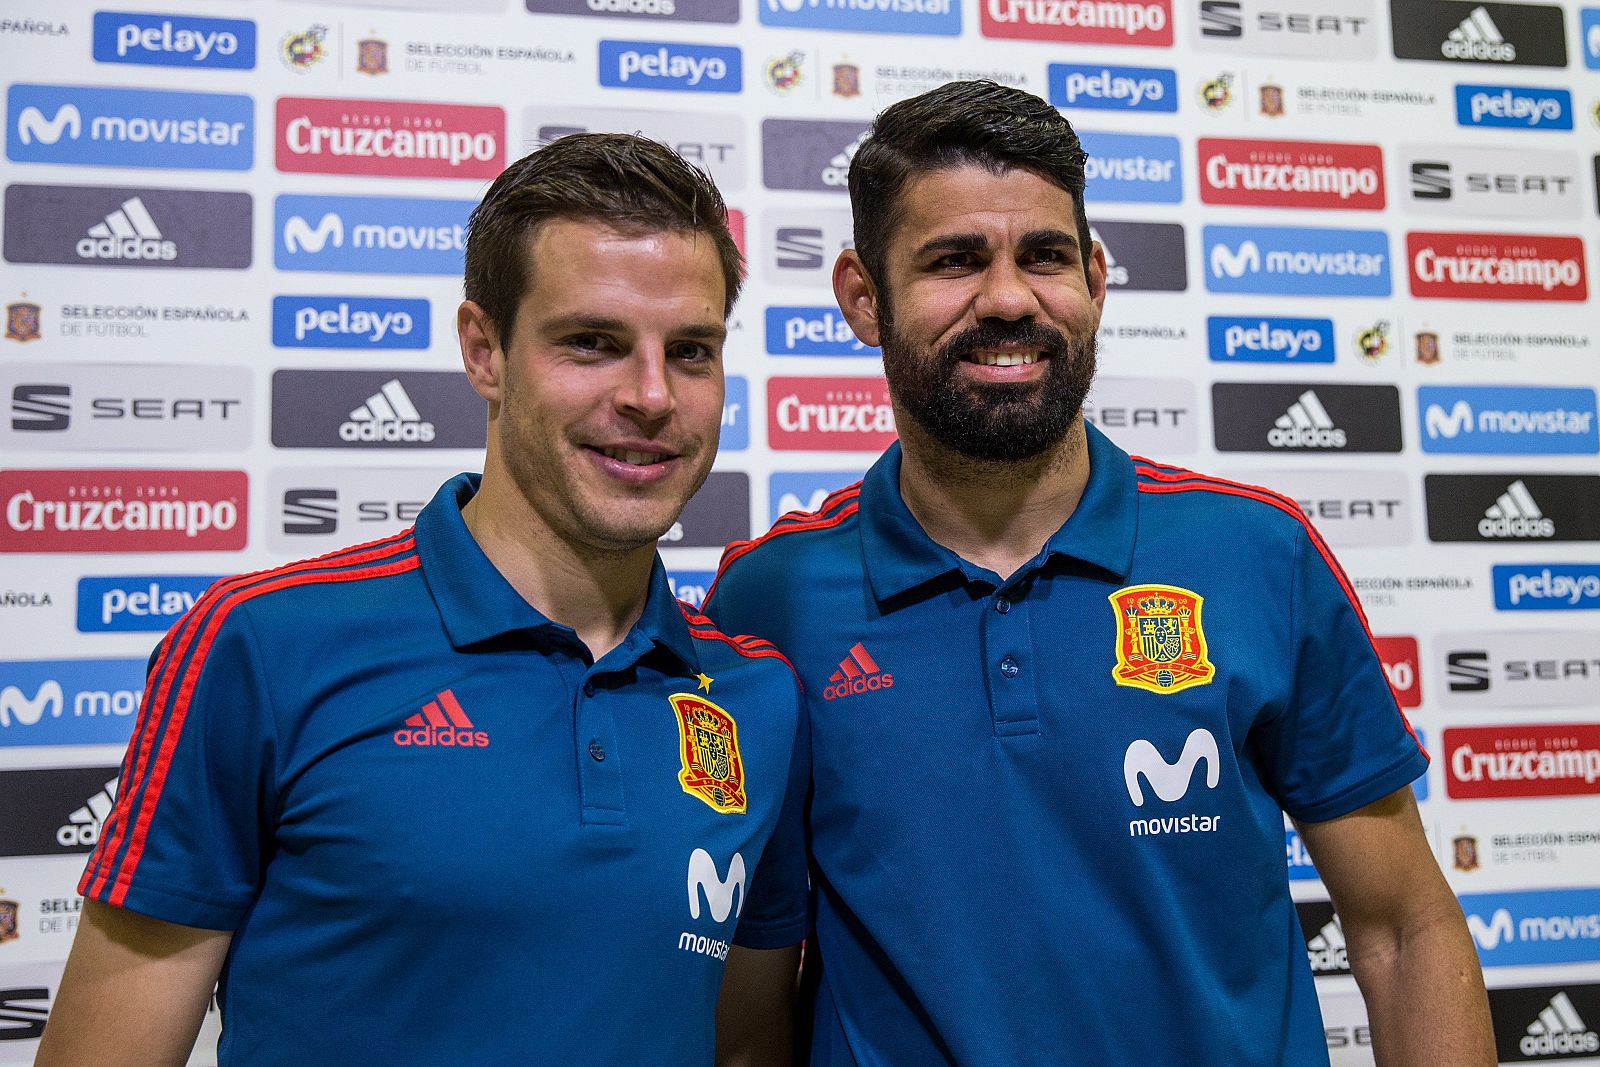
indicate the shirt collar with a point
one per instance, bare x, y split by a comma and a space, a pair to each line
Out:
899, 555
477, 604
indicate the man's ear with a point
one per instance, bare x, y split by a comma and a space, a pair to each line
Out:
480, 351
1097, 275
857, 297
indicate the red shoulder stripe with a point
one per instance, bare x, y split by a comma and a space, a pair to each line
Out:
145, 766
801, 524
749, 647
1178, 480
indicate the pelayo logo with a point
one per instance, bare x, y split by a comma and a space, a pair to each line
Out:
1547, 586
88, 126
1113, 88
137, 602
123, 511
1260, 339
69, 702
168, 40
812, 331
1294, 261
1513, 107
667, 65
371, 234
363, 322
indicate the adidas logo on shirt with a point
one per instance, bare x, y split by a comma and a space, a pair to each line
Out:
1326, 952
1478, 38
1305, 425
388, 415
1559, 1031
1515, 514
83, 826
127, 233
858, 673
441, 723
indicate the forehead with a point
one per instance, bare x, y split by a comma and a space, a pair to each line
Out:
973, 199
584, 264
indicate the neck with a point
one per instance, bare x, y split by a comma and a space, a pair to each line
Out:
600, 595
995, 514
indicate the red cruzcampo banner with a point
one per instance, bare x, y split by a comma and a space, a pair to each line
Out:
393, 138
1497, 266
123, 511
1545, 760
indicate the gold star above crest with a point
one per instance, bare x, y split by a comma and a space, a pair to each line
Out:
705, 682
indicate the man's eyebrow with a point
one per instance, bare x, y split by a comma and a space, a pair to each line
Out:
694, 331
1048, 238
955, 242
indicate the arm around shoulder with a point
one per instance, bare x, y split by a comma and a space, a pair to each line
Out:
1409, 946
755, 1011
135, 991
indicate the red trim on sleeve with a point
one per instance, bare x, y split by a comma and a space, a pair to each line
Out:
797, 522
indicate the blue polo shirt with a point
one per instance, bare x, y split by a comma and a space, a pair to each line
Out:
439, 833
1046, 815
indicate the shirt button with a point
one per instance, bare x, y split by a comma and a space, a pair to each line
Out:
597, 751
588, 689
1002, 605
1009, 667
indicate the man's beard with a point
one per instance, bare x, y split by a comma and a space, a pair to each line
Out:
992, 421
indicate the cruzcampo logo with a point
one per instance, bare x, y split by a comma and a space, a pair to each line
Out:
1160, 645
712, 769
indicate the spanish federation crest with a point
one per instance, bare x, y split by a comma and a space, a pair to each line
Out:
709, 750
846, 80
372, 56
8, 920
1466, 852
22, 321
1272, 100
1160, 644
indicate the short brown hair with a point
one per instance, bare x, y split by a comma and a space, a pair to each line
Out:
628, 182
966, 123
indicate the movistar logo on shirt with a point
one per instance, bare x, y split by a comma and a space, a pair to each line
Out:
1143, 766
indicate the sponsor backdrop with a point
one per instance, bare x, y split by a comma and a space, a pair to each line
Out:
1351, 248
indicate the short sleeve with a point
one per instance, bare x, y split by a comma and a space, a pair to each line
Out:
1341, 741
777, 911
186, 838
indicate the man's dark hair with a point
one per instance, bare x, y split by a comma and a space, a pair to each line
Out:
628, 182
967, 123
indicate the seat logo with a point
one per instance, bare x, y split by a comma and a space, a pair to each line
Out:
1170, 781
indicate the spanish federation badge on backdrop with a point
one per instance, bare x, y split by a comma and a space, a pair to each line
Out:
709, 749
1160, 644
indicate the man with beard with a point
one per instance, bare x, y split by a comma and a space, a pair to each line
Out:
1061, 698
436, 799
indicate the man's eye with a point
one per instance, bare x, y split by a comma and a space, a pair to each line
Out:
1045, 256
954, 261
691, 352
588, 342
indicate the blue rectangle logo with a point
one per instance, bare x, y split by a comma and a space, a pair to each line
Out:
1507, 420
1546, 586
371, 234
137, 602
365, 322
676, 67
940, 17
691, 587
1296, 261
804, 490
1420, 785
736, 415
1131, 168
87, 126
1113, 88
1535, 927
1258, 339
1300, 866
1589, 36
174, 40
1513, 107
69, 701
812, 331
